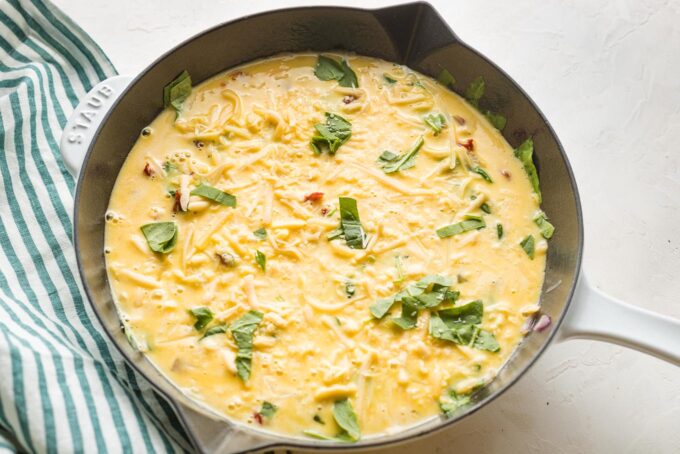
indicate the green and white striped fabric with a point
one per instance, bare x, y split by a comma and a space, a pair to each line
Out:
63, 387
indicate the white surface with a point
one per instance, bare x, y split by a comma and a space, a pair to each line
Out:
608, 78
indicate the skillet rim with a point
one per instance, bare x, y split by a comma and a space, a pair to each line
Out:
291, 442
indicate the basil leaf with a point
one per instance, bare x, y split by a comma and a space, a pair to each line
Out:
525, 154
268, 409
214, 194
331, 135
242, 331
389, 79
471, 312
486, 341
350, 225
330, 69
499, 230
436, 122
482, 173
453, 401
547, 229
177, 91
475, 91
261, 233
161, 236
528, 244
203, 316
472, 223
217, 329
381, 307
445, 78
346, 418
409, 314
261, 260
497, 120
404, 161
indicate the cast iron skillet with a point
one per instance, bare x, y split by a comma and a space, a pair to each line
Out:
107, 123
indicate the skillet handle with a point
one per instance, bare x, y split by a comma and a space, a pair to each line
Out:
85, 119
596, 315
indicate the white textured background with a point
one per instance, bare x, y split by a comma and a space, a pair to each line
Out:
607, 75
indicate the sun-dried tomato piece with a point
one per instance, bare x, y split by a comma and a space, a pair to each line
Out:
314, 197
468, 144
178, 204
258, 418
148, 170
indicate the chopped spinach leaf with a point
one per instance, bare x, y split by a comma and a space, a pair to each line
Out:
436, 122
261, 260
395, 163
260, 234
268, 409
350, 225
470, 223
177, 91
499, 230
486, 341
547, 229
482, 173
528, 244
389, 79
475, 91
203, 316
452, 401
242, 331
496, 119
214, 194
460, 325
485, 208
347, 420
350, 289
381, 307
331, 69
409, 314
217, 329
161, 236
445, 78
525, 154
331, 135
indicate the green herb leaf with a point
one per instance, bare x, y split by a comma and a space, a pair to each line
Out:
547, 229
395, 163
261, 233
331, 135
261, 260
346, 418
472, 223
499, 230
217, 329
177, 91
482, 173
330, 69
242, 331
496, 119
486, 341
485, 208
169, 167
318, 419
435, 121
318, 436
203, 316
350, 289
214, 194
161, 236
453, 401
471, 312
409, 314
381, 307
268, 409
475, 91
525, 154
445, 78
528, 244
350, 225
389, 79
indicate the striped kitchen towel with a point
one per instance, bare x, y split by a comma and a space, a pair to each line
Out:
63, 387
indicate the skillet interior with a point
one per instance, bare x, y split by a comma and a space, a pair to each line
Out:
413, 35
